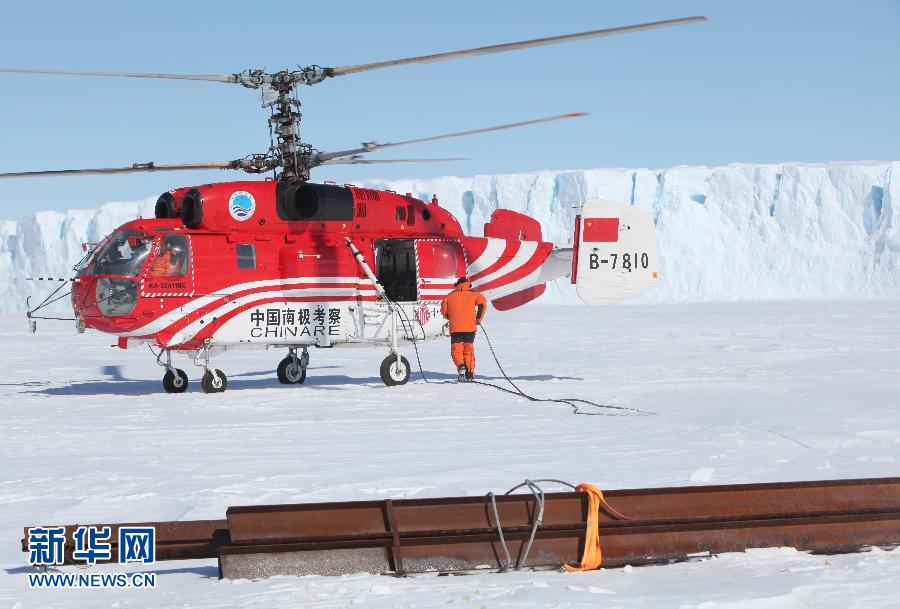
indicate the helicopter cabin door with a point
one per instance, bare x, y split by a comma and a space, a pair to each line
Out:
441, 262
395, 261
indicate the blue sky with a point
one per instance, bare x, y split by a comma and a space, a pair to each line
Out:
763, 81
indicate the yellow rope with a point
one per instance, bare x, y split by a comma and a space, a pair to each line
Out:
592, 556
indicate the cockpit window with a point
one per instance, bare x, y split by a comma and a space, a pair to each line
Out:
82, 266
173, 259
123, 254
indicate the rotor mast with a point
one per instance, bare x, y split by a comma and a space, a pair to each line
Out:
279, 95
284, 122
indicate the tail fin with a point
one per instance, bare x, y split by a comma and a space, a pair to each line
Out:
616, 256
508, 224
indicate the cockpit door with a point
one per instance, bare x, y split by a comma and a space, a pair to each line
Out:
170, 270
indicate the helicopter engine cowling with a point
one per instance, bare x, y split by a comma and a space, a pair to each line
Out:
233, 206
165, 206
192, 208
308, 202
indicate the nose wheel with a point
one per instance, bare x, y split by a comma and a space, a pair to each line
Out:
395, 370
175, 380
292, 369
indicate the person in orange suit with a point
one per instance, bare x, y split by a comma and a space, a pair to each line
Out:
464, 309
164, 264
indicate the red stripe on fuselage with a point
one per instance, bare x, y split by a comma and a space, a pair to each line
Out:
532, 264
473, 247
509, 250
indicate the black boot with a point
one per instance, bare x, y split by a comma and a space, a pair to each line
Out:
463, 373
470, 376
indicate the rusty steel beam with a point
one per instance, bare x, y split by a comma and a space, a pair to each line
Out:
751, 499
256, 524
623, 542
283, 523
414, 535
642, 543
629, 543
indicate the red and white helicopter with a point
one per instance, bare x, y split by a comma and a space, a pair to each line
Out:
289, 263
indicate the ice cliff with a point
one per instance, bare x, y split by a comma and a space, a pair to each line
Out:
737, 231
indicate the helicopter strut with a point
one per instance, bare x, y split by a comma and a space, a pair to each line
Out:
288, 152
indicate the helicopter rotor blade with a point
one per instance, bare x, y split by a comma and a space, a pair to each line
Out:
357, 160
210, 77
371, 146
512, 46
254, 79
137, 167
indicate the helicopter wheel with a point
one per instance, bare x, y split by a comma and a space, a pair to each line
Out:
290, 371
175, 382
214, 381
395, 372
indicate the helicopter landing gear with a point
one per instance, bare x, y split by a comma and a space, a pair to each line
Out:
395, 370
292, 369
214, 380
175, 380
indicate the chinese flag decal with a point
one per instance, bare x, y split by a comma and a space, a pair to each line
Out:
601, 230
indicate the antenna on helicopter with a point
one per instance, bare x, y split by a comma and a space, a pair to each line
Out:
287, 151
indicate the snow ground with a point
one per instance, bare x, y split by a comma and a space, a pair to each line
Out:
745, 392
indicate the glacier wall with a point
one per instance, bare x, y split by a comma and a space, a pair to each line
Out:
731, 232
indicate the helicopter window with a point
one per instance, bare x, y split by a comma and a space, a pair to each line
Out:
116, 297
426, 215
443, 258
396, 263
123, 254
410, 214
401, 214
246, 256
173, 258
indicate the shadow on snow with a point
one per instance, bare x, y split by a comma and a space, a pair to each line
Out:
117, 383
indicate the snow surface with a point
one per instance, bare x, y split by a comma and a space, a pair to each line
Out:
745, 392
732, 232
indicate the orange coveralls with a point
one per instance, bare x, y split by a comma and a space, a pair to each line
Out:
163, 265
464, 309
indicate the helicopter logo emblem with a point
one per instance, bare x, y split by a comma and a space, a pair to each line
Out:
423, 314
241, 205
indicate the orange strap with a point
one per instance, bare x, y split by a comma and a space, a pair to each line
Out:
592, 556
